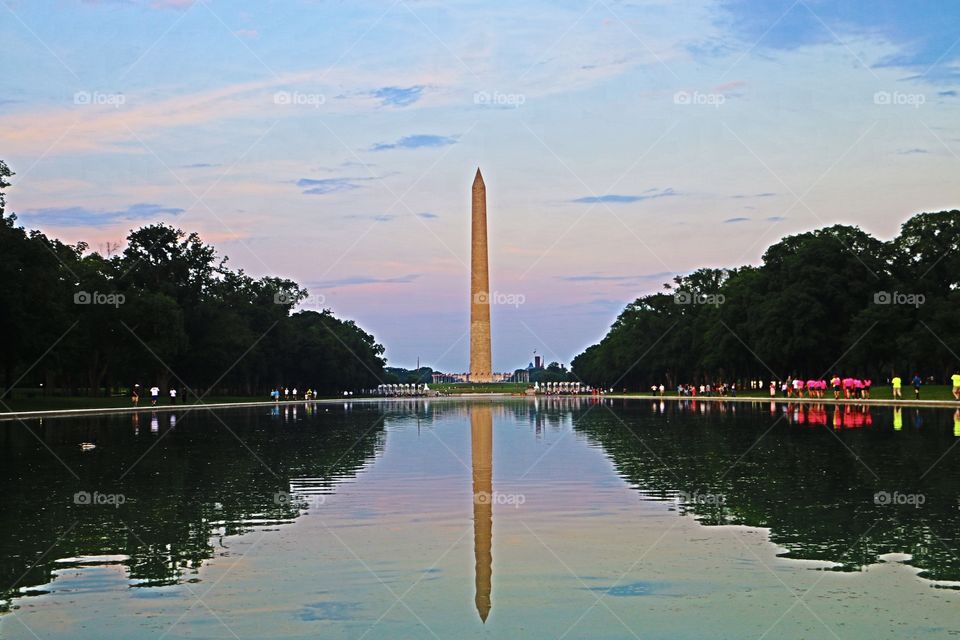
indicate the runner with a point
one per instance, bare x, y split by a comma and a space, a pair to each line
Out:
917, 383
835, 381
897, 383
135, 395
154, 395
955, 379
173, 396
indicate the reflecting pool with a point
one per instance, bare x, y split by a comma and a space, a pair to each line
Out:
550, 518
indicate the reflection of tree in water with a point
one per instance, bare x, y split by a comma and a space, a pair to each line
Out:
798, 480
196, 484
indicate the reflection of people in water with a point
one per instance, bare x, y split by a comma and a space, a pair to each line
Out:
917, 419
956, 423
897, 419
481, 447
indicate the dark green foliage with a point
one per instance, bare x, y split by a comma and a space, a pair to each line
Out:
178, 318
831, 300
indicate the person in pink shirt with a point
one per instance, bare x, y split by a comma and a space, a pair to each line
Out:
866, 388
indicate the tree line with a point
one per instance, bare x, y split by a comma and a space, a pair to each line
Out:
831, 300
167, 310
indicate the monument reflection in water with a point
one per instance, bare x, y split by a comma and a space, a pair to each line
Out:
481, 447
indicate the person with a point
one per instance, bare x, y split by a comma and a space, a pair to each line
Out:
275, 394
955, 379
286, 393
835, 381
897, 383
295, 394
135, 395
917, 383
173, 396
154, 395
866, 388
661, 389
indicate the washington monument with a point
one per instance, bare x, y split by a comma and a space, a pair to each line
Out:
481, 362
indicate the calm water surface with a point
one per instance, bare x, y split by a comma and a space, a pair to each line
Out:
504, 519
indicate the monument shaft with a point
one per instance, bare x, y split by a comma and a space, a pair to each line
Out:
481, 360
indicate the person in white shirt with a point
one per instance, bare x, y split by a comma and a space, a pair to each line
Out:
154, 395
173, 396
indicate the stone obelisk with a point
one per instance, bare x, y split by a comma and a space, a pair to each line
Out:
481, 361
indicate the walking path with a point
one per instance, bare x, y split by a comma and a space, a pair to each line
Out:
65, 413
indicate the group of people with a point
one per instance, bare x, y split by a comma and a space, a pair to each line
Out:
154, 395
708, 390
848, 388
291, 394
796, 387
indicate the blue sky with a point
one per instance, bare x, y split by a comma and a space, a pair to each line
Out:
621, 142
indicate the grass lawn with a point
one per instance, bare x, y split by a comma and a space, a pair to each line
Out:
486, 387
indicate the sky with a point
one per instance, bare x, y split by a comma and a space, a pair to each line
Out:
622, 143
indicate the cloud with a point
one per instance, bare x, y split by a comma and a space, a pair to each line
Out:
594, 277
776, 218
398, 96
913, 151
84, 217
948, 94
172, 4
920, 34
650, 194
416, 142
388, 217
356, 281
735, 220
765, 194
323, 186
375, 217
199, 165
